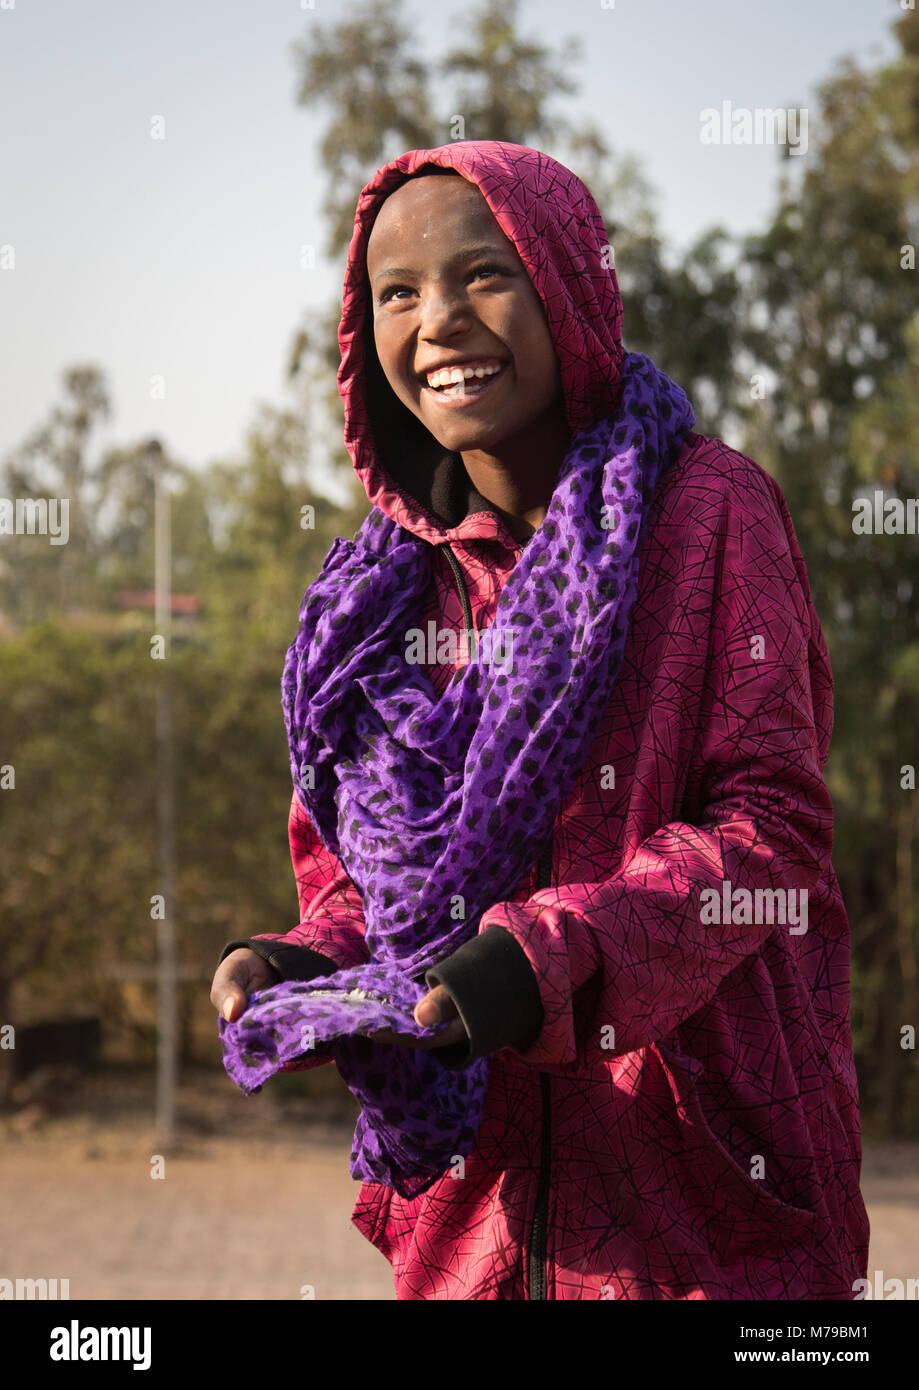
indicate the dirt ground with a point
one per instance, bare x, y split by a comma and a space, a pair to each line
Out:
256, 1198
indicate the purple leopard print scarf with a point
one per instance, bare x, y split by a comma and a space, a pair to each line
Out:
433, 802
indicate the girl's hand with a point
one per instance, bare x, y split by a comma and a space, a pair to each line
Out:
236, 978
434, 1008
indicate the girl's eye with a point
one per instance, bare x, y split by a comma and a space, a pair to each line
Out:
487, 270
391, 290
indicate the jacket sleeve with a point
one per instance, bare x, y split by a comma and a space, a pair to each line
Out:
330, 934
650, 947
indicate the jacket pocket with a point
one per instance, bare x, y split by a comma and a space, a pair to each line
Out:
741, 1214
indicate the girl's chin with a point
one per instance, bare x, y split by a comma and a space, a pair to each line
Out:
462, 436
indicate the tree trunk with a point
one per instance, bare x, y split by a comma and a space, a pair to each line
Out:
7, 1055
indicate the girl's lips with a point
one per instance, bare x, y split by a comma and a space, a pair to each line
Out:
463, 401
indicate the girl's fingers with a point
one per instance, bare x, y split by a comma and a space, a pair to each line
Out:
435, 1007
455, 1033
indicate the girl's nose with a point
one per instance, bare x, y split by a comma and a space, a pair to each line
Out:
442, 311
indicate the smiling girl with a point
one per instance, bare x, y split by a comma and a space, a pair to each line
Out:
577, 1080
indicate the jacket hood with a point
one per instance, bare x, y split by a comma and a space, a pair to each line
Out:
557, 229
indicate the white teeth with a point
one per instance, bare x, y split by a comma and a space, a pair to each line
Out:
452, 376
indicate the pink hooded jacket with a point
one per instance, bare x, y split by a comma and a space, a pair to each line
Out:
672, 1108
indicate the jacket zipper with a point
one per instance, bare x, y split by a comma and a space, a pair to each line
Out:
463, 591
537, 1251
538, 1258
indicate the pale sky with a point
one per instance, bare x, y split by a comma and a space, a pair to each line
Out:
181, 257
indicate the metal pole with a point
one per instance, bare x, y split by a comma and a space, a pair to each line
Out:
166, 1048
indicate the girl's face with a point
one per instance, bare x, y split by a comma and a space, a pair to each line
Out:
449, 288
